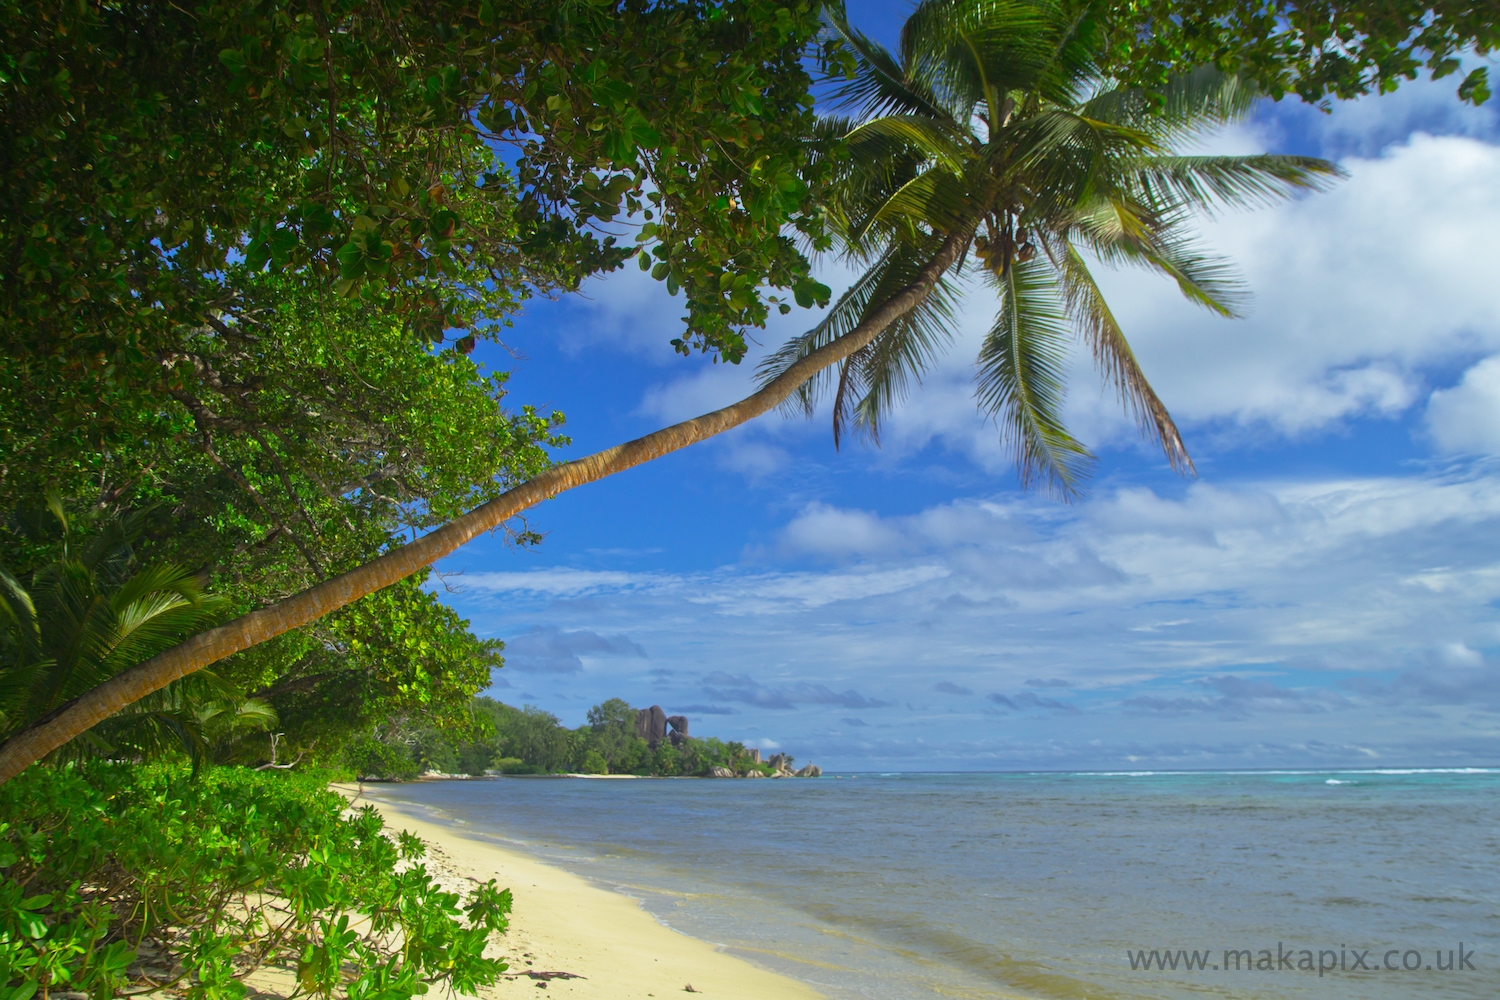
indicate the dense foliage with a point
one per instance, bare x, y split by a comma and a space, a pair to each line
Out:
116, 877
455, 155
295, 439
531, 741
1316, 49
92, 612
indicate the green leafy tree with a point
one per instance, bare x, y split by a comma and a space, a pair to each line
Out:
378, 756
1314, 48
614, 714
454, 155
529, 741
666, 760
278, 444
425, 165
533, 736
611, 734
992, 138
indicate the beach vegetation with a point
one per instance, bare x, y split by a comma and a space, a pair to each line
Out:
119, 878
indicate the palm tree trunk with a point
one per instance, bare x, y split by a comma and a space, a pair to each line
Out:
88, 710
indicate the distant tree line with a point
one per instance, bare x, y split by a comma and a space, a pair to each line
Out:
528, 740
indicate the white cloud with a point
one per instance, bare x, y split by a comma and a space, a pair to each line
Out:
709, 387
1458, 654
563, 582
1466, 418
1357, 292
1344, 605
830, 531
754, 460
553, 650
773, 593
625, 311
732, 593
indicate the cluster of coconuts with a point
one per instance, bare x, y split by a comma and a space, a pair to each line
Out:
997, 253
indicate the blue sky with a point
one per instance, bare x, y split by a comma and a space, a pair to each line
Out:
1324, 593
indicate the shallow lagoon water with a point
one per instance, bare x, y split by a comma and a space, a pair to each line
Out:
1048, 885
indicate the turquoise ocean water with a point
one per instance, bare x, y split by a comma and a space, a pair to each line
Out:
1052, 885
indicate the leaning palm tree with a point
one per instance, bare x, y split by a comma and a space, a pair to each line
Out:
993, 136
990, 136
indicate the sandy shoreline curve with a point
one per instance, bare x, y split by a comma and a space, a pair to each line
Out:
563, 923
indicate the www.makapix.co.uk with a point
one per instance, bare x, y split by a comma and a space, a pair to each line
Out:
1322, 961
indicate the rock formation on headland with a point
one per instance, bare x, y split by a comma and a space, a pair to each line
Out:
782, 764
651, 725
654, 725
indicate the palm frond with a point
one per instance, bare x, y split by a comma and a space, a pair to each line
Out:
939, 142
1120, 232
1113, 357
1068, 163
892, 364
895, 269
1064, 159
969, 52
934, 200
1207, 182
1109, 221
1190, 105
74, 628
18, 625
880, 85
152, 610
1021, 369
845, 314
201, 715
865, 181
1204, 279
1073, 65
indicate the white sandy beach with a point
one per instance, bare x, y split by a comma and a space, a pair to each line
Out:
564, 924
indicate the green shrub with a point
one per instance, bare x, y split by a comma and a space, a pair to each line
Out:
594, 763
105, 865
666, 759
368, 757
475, 758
